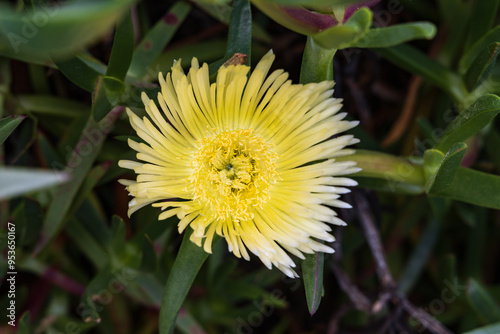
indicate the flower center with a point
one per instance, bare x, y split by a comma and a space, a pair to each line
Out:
233, 171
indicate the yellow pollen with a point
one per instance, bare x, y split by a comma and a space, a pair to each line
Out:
233, 171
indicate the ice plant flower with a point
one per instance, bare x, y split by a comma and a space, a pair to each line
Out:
249, 158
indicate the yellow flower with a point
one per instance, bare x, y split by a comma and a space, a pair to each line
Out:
249, 158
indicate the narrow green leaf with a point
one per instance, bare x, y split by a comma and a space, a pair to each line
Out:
471, 54
23, 327
79, 163
482, 302
8, 124
312, 274
470, 121
156, 39
481, 66
123, 48
109, 281
15, 181
52, 105
87, 244
419, 256
56, 31
414, 61
88, 184
483, 17
240, 39
396, 34
29, 220
491, 329
446, 170
79, 71
100, 103
186, 266
238, 42
342, 36
474, 187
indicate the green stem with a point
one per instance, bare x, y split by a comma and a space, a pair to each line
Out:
390, 169
317, 63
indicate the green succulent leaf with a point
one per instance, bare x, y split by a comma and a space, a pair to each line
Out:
490, 329
471, 54
15, 181
474, 187
155, 40
56, 32
80, 71
482, 302
446, 171
123, 48
186, 266
343, 36
470, 121
312, 272
394, 35
481, 66
9, 124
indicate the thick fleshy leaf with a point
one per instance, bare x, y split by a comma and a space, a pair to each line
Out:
239, 39
468, 57
447, 169
239, 36
312, 274
491, 329
52, 105
123, 48
474, 187
484, 304
317, 65
15, 181
81, 72
342, 36
156, 39
481, 66
394, 35
56, 31
9, 124
186, 266
470, 121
